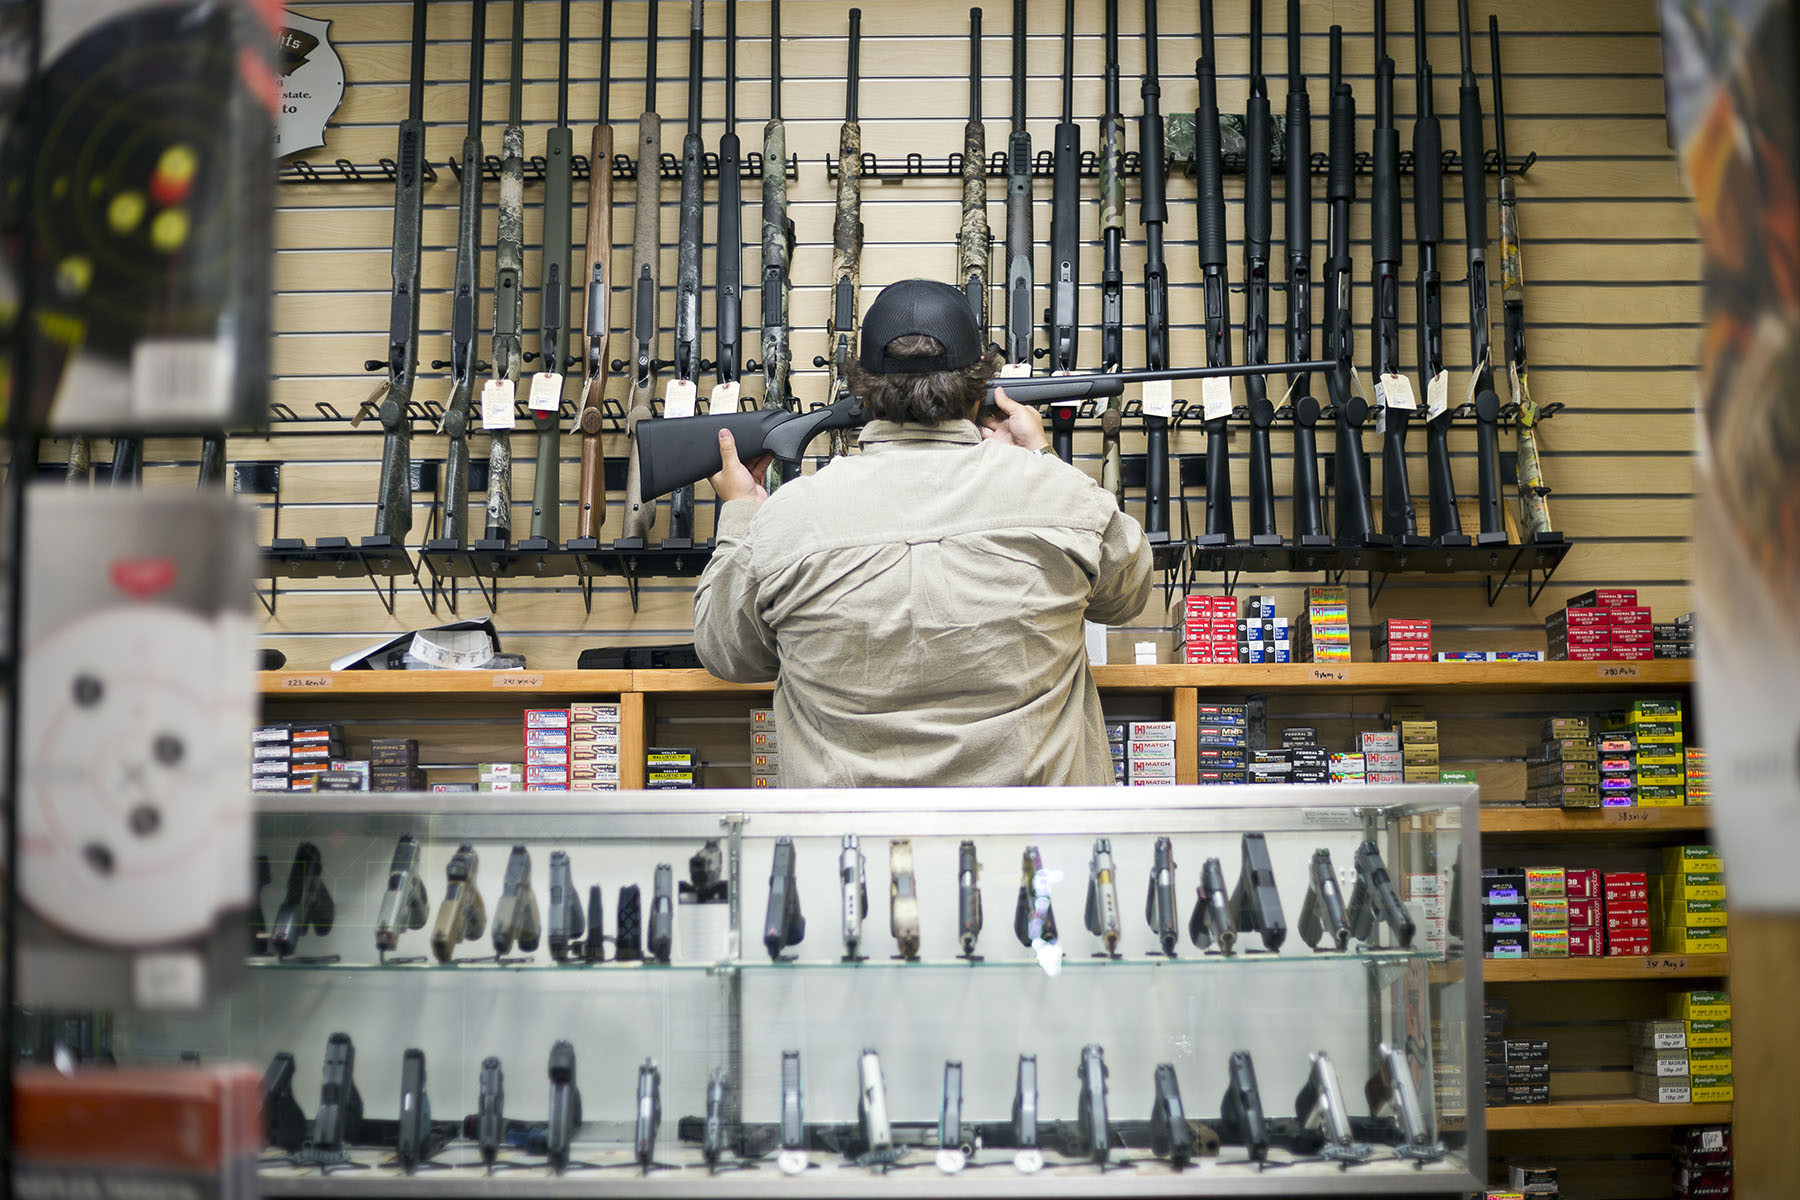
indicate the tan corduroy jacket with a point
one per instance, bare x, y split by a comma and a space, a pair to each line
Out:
920, 606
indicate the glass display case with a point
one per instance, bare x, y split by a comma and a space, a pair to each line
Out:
1268, 1021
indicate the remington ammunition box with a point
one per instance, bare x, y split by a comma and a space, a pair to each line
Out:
1583, 914
1692, 886
1456, 777
1712, 1092
1694, 941
1709, 1064
1692, 914
1586, 943
1665, 1063
1691, 859
1660, 758
1708, 1035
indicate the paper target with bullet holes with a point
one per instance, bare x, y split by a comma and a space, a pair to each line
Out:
147, 219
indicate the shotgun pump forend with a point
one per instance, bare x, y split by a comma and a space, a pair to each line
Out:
461, 914
1211, 920
783, 925
1159, 901
1255, 904
516, 919
404, 905
1374, 899
1171, 1136
1242, 1121
307, 905
566, 921
565, 1107
1322, 915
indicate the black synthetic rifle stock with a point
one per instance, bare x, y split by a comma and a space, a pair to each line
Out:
1210, 170
679, 400
393, 503
1021, 322
509, 290
1153, 211
670, 453
1399, 527
777, 252
728, 260
1112, 267
1474, 197
1351, 525
974, 239
555, 330
453, 525
1258, 229
1062, 316
1534, 507
646, 298
1309, 528
590, 412
1428, 230
846, 242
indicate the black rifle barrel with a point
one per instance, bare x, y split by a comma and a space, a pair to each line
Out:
1428, 231
557, 258
728, 265
1258, 232
1475, 235
1153, 211
1065, 242
465, 292
1399, 526
1351, 527
1305, 409
1021, 322
1209, 167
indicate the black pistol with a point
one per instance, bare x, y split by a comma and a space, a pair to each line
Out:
968, 898
712, 1135
490, 1110
1242, 1110
566, 922
1171, 1136
1159, 900
461, 914
339, 1119
628, 946
649, 1114
1211, 921
404, 905
1096, 1136
593, 947
565, 1107
662, 914
1322, 915
1255, 904
516, 918
259, 925
284, 1125
412, 1139
1373, 899
783, 924
308, 905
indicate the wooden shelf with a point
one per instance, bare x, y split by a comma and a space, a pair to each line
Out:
1654, 966
1603, 1113
1278, 677
1564, 821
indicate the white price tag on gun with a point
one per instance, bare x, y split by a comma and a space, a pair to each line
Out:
682, 399
546, 392
1215, 398
1159, 398
1437, 395
497, 404
1395, 391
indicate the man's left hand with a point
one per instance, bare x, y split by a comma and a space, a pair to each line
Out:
735, 481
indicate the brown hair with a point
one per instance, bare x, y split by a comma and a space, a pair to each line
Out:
927, 399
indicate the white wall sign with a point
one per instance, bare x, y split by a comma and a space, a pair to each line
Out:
312, 83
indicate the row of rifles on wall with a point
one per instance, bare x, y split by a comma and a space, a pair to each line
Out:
492, 404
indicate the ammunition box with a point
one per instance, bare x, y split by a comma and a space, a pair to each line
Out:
1456, 777
1503, 945
546, 718
1418, 733
1696, 886
1606, 598
666, 758
1659, 1091
591, 713
1421, 774
1526, 1050
1663, 1064
1548, 913
1545, 882
1691, 940
1700, 1005
1505, 1074
1709, 1064
1712, 1093
1548, 943
1569, 749
1536, 1093
1691, 859
1414, 755
1708, 1035
1657, 1035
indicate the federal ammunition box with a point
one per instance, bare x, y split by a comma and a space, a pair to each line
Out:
1630, 918
1657, 1035
1630, 616
1606, 598
1691, 859
668, 758
339, 781
1657, 1091
1700, 1005
1708, 1035
1578, 618
1665, 1063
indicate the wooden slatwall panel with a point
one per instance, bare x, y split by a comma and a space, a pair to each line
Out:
1610, 258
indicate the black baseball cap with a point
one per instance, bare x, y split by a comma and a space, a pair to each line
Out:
919, 306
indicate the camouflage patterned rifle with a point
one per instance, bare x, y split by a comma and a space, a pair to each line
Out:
81, 462
393, 504
453, 525
1112, 271
509, 288
846, 243
554, 326
1258, 230
680, 399
974, 239
1065, 243
777, 251
646, 316
1487, 402
1534, 508
590, 414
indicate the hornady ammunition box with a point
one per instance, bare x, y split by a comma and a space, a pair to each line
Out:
1164, 770
1546, 774
762, 719
553, 774
1547, 943
1569, 749
1378, 741
1691, 860
540, 738
1661, 1063
764, 740
1545, 882
1565, 727
452, 787
1657, 1091
546, 718
1142, 749
1657, 1035
669, 780
1424, 774
1547, 912
546, 756
1158, 731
